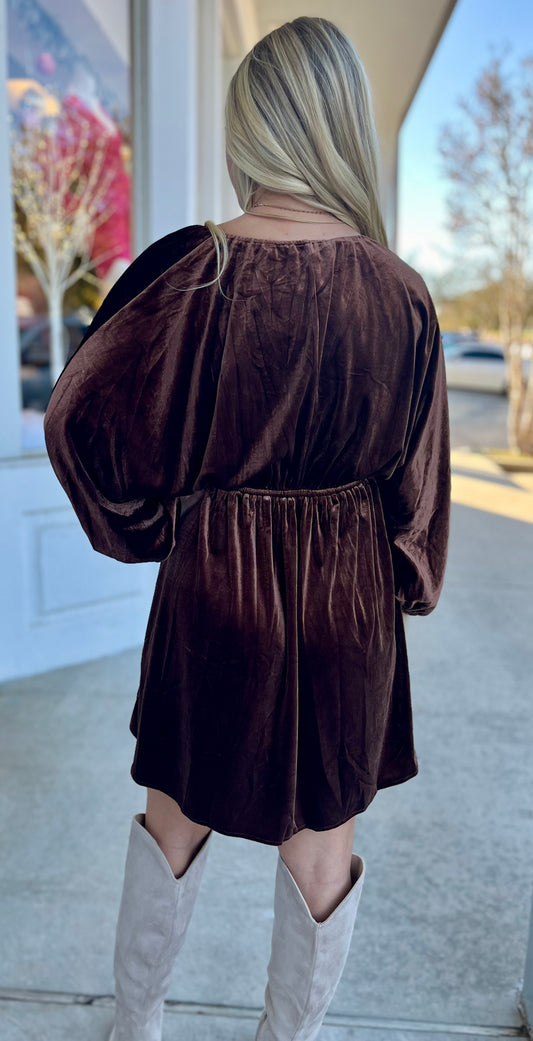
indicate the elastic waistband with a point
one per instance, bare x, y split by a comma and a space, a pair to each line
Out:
293, 493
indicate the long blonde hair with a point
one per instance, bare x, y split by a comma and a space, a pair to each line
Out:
299, 120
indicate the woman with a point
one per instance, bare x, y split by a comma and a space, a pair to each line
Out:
262, 407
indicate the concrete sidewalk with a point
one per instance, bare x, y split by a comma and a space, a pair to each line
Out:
440, 941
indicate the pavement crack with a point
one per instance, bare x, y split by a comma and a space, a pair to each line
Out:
396, 1027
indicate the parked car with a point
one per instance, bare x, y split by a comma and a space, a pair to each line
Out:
473, 364
34, 338
449, 338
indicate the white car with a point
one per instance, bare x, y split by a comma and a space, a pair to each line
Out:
474, 365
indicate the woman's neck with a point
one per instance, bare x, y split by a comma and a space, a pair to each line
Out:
280, 216
267, 197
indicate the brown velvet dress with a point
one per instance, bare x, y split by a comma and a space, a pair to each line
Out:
306, 406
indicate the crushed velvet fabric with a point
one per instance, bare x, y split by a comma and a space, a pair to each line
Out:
304, 409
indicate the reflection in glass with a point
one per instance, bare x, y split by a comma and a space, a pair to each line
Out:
68, 91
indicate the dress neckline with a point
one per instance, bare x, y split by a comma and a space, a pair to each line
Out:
291, 242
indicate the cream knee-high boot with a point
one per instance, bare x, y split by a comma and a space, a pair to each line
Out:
307, 959
155, 911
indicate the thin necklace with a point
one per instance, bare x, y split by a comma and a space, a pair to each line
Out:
278, 216
277, 207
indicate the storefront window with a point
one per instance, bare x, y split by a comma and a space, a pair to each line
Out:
70, 112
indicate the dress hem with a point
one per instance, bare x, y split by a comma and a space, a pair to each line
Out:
196, 819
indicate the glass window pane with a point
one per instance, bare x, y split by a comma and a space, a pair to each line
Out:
70, 112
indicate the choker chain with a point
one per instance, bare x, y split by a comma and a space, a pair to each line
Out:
291, 209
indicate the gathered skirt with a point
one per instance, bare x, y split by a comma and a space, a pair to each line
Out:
274, 691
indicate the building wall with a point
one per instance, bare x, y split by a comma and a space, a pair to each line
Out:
61, 602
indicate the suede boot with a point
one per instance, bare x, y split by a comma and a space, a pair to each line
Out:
155, 911
307, 959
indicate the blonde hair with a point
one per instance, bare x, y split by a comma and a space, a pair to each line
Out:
299, 120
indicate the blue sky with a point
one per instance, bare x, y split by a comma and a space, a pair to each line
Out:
475, 30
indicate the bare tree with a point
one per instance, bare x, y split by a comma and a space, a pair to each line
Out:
488, 158
60, 185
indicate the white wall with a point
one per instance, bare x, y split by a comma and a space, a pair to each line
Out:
165, 117
61, 602
210, 138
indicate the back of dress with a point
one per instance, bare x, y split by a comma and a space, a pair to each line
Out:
306, 405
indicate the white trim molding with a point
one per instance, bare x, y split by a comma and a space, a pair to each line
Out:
165, 116
210, 142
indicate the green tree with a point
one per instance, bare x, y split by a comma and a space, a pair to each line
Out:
487, 156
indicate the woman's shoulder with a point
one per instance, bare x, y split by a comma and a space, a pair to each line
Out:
379, 264
146, 269
384, 261
166, 251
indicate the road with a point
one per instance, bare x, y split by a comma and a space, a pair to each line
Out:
477, 419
